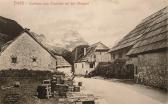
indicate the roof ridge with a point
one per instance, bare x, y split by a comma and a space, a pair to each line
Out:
91, 49
155, 14
30, 34
145, 32
142, 28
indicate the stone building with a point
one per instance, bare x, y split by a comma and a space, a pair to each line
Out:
26, 52
146, 49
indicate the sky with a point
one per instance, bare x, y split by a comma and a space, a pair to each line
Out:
95, 20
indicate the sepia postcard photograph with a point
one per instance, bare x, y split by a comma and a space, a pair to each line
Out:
83, 51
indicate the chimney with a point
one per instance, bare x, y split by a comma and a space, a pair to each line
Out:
76, 54
26, 29
84, 52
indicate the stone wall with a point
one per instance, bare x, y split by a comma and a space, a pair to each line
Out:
152, 69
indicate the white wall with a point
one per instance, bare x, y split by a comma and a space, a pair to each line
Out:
99, 57
82, 67
66, 70
24, 48
103, 57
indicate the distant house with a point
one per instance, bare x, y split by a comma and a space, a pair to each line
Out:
79, 52
145, 48
63, 65
95, 54
26, 52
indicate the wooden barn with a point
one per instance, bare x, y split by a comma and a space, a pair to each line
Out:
26, 52
95, 54
145, 48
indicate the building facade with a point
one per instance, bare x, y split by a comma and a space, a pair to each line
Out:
146, 49
25, 52
95, 54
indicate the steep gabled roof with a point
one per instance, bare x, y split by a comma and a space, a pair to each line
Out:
156, 36
33, 37
149, 24
95, 47
78, 52
80, 46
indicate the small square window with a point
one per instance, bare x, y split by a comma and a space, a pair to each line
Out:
91, 65
113, 56
14, 60
34, 59
82, 65
95, 56
120, 55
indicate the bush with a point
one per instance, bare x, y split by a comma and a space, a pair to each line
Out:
113, 70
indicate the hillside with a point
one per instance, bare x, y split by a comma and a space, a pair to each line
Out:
9, 29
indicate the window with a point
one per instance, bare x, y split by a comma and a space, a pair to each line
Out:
91, 65
56, 63
136, 70
94, 57
34, 59
120, 55
14, 59
82, 65
113, 56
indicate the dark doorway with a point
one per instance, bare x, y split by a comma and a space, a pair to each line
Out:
130, 71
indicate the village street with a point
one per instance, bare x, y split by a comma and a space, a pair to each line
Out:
117, 92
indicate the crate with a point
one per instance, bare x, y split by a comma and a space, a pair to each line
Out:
53, 86
63, 94
70, 88
68, 82
85, 102
61, 88
44, 91
59, 79
76, 89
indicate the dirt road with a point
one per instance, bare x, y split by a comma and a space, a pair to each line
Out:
116, 92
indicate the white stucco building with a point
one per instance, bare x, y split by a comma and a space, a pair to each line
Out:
95, 54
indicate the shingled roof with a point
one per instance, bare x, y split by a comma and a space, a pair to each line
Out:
156, 35
148, 35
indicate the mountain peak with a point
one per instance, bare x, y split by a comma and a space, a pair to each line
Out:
69, 40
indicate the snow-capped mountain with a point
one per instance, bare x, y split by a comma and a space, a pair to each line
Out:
69, 40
